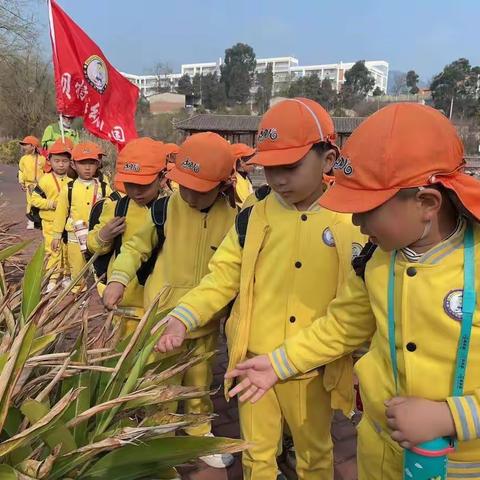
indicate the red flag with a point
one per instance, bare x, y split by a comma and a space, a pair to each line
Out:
86, 83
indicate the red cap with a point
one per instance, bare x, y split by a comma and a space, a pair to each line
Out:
289, 129
86, 151
31, 140
60, 146
242, 150
404, 145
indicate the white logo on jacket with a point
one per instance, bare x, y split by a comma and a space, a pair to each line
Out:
453, 303
328, 238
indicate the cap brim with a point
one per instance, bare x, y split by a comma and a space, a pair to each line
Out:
348, 200
84, 159
189, 181
137, 179
274, 158
466, 188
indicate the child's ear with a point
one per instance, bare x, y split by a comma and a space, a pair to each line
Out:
431, 201
330, 157
72, 164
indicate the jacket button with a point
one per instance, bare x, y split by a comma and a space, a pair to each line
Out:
411, 271
292, 319
298, 264
411, 347
88, 203
304, 217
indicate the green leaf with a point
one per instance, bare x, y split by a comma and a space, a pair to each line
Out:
32, 283
8, 473
10, 428
41, 343
136, 472
162, 452
58, 435
12, 250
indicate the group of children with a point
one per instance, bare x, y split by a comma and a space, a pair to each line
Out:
279, 270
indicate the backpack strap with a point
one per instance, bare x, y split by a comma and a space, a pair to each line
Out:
115, 196
39, 191
121, 209
263, 191
359, 263
69, 196
103, 188
241, 224
159, 216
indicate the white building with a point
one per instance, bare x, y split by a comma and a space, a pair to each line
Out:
284, 70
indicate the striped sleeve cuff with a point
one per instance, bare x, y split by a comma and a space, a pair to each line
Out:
282, 365
466, 415
119, 277
186, 316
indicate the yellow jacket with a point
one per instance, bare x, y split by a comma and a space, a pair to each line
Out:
191, 238
243, 188
290, 268
137, 216
428, 315
84, 195
51, 184
30, 169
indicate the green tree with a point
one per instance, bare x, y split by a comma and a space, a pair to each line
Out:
377, 92
213, 92
238, 72
359, 82
185, 86
327, 95
264, 90
197, 86
311, 87
457, 86
412, 81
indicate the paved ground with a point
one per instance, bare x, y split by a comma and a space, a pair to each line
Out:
226, 424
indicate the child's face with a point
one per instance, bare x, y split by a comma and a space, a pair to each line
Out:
28, 149
199, 200
302, 180
143, 194
86, 169
398, 223
59, 163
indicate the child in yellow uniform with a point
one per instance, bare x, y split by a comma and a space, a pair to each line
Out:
45, 197
243, 186
282, 269
30, 169
198, 217
401, 174
75, 202
139, 169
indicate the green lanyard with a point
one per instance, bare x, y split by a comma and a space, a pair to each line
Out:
468, 308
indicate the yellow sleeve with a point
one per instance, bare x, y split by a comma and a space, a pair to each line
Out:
466, 414
95, 244
217, 289
61, 213
40, 202
348, 324
21, 173
137, 250
41, 163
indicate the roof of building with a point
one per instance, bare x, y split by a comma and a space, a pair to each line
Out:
249, 123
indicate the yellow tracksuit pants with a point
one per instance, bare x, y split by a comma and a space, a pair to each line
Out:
304, 405
56, 259
76, 261
199, 375
377, 459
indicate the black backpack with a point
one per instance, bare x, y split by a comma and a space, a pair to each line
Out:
158, 210
359, 263
34, 214
241, 221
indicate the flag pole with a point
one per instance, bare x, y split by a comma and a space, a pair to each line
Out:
54, 48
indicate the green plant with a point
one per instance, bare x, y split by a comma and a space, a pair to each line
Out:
77, 404
10, 152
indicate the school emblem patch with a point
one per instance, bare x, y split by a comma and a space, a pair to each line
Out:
96, 73
453, 303
327, 237
189, 164
356, 250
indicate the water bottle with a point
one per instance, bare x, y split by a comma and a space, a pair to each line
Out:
427, 461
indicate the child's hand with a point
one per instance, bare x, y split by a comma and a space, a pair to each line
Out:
114, 227
31, 188
23, 187
258, 377
416, 420
55, 244
172, 337
113, 294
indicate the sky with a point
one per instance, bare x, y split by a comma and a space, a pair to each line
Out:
423, 35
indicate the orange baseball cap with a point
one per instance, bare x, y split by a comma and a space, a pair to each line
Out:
31, 140
141, 161
289, 129
86, 151
61, 146
172, 148
404, 145
203, 162
241, 150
